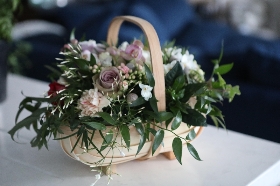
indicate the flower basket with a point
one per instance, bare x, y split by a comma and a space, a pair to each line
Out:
93, 156
112, 105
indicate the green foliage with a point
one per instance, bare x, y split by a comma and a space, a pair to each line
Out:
158, 140
7, 9
193, 151
175, 72
177, 149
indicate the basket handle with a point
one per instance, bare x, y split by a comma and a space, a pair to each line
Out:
155, 52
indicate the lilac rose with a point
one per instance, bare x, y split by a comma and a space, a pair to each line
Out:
108, 79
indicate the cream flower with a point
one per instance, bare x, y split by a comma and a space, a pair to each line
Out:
105, 59
92, 102
169, 66
147, 57
123, 46
146, 91
188, 63
174, 53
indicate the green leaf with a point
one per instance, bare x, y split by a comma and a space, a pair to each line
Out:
175, 72
107, 139
137, 102
153, 103
85, 138
179, 83
82, 64
233, 91
157, 140
149, 76
92, 60
55, 71
176, 121
125, 134
193, 152
222, 82
177, 149
107, 117
28, 121
223, 69
191, 135
194, 118
95, 125
65, 137
191, 89
163, 116
141, 143
139, 127
167, 122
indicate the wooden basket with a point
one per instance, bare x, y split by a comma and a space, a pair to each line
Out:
92, 156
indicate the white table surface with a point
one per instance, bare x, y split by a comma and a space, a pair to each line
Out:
229, 158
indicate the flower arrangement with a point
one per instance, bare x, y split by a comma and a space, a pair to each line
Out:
108, 90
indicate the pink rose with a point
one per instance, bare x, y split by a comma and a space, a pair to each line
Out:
107, 80
133, 51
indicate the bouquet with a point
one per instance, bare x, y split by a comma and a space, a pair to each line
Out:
107, 90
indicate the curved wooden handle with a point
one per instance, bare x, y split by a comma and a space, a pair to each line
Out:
155, 52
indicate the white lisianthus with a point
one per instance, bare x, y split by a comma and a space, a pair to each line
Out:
123, 46
174, 53
169, 66
146, 91
105, 59
188, 63
92, 102
147, 57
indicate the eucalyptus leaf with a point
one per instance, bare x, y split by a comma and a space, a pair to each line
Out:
177, 149
157, 140
193, 152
